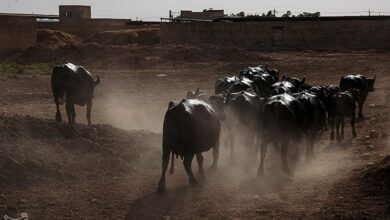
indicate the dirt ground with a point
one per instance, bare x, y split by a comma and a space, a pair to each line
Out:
111, 172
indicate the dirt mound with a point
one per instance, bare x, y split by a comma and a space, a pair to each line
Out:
35, 149
55, 39
124, 37
376, 178
133, 56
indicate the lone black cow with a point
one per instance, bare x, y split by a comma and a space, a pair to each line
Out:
75, 85
190, 127
361, 83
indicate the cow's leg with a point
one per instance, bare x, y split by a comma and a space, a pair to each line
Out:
187, 165
69, 113
250, 140
89, 108
73, 115
360, 102
310, 146
331, 121
342, 128
213, 167
165, 162
338, 128
263, 152
58, 113
284, 152
231, 146
199, 158
354, 134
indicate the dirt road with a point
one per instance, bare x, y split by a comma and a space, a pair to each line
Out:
327, 188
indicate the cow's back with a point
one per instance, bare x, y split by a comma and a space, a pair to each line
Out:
282, 114
191, 126
74, 80
354, 82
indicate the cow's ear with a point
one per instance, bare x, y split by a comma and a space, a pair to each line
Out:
303, 80
283, 77
374, 78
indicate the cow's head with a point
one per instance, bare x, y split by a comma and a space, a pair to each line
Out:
371, 83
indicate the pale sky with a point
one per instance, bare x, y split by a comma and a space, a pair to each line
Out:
154, 9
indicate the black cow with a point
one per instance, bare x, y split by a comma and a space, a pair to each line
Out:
253, 72
262, 84
190, 128
299, 84
325, 93
283, 121
315, 118
282, 87
244, 108
74, 84
222, 85
343, 104
242, 85
361, 83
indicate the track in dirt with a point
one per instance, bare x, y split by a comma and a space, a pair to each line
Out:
114, 174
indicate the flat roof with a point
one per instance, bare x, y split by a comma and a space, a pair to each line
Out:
74, 5
321, 18
31, 15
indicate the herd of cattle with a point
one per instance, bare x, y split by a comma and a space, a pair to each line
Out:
284, 112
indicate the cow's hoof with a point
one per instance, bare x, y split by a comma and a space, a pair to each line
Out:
260, 173
161, 189
354, 135
287, 171
202, 177
332, 137
213, 168
309, 157
194, 182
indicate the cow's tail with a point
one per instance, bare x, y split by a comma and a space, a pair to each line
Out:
172, 169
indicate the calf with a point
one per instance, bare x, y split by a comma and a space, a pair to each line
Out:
74, 84
343, 105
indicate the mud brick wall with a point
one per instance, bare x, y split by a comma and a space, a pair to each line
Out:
17, 33
355, 34
87, 27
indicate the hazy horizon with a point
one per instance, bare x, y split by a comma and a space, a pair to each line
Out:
151, 10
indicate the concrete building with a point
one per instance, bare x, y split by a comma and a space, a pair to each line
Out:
74, 12
77, 20
209, 14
